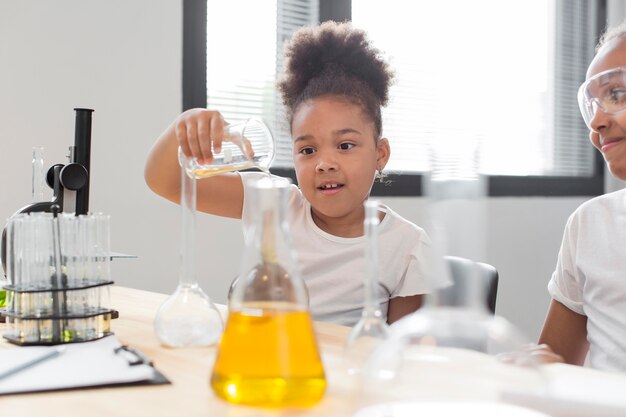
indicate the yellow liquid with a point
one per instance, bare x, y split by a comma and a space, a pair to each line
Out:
269, 357
217, 170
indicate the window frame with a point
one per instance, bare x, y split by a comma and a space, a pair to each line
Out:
397, 185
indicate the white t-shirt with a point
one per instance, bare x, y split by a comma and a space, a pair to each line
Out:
590, 276
333, 267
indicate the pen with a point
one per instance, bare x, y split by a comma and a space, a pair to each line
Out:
48, 355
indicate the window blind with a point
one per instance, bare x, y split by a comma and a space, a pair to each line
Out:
577, 26
245, 61
506, 72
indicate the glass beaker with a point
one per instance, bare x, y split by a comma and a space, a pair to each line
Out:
247, 144
268, 354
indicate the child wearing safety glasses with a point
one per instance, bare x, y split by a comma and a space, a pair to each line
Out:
586, 321
333, 88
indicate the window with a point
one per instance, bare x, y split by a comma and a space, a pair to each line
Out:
241, 83
509, 81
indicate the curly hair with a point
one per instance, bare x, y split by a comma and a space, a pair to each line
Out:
618, 31
335, 59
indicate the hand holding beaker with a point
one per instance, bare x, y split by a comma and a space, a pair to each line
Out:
208, 146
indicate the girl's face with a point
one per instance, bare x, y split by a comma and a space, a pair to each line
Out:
608, 131
336, 156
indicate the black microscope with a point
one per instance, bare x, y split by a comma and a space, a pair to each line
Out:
70, 183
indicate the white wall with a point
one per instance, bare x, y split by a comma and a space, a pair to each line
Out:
123, 59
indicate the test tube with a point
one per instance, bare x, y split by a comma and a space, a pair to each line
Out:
10, 245
103, 246
69, 240
87, 238
37, 174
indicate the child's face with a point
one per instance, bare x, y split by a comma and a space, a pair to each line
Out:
336, 156
608, 131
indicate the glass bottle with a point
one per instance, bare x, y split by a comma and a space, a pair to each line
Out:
268, 354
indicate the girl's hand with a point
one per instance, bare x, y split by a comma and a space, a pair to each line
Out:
199, 133
531, 355
544, 354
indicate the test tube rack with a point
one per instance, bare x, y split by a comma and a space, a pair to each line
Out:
55, 297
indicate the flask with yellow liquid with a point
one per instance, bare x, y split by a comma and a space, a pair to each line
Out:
268, 355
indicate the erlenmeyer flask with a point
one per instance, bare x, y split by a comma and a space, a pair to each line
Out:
188, 317
445, 350
371, 328
268, 354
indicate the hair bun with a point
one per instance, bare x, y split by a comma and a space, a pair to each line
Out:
334, 49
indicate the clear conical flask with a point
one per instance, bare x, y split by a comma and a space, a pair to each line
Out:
188, 317
268, 355
446, 351
371, 328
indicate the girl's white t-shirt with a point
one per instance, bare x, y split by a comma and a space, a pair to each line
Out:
590, 276
333, 267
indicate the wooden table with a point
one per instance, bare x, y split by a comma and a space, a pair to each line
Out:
189, 371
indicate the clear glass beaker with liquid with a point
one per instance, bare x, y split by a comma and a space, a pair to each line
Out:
247, 144
268, 355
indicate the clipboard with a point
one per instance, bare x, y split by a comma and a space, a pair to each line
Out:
100, 363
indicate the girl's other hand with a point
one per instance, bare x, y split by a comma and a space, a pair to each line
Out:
531, 355
199, 132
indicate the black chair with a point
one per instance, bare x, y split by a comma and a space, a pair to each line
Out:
462, 269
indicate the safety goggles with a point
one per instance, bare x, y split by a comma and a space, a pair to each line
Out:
606, 91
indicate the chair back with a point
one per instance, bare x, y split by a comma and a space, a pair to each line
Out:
461, 271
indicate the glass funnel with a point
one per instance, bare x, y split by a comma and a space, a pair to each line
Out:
447, 350
188, 317
268, 355
371, 328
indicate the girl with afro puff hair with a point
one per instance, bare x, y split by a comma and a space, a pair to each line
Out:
333, 88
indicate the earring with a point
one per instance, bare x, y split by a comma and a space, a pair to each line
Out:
379, 176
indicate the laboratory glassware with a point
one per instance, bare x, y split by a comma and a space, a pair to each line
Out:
371, 328
247, 144
58, 289
442, 339
188, 317
37, 174
268, 355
